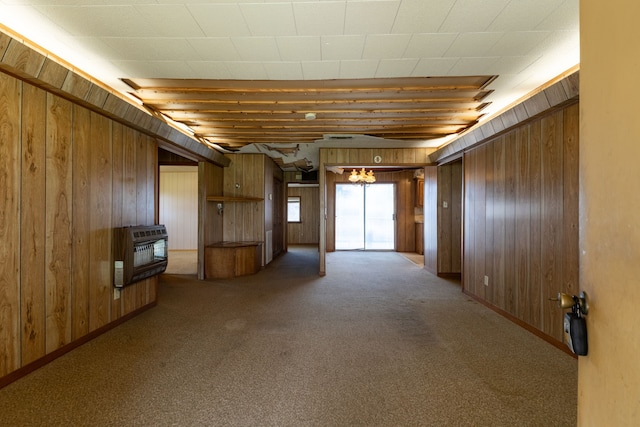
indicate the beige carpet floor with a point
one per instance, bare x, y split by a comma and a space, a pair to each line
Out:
376, 342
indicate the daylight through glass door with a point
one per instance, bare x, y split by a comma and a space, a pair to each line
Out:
365, 217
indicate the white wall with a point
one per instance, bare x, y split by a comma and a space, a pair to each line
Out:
179, 205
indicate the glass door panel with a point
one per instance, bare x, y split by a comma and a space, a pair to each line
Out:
365, 217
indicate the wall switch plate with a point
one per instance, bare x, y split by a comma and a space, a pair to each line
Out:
445, 205
486, 280
116, 293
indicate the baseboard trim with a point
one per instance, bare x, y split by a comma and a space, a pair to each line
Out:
554, 342
36, 364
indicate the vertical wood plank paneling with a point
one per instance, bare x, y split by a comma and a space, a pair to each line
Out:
100, 220
510, 285
552, 201
82, 209
497, 279
469, 275
32, 227
58, 226
480, 213
489, 248
117, 194
10, 93
456, 217
535, 263
129, 188
522, 223
140, 288
64, 183
306, 231
570, 200
129, 204
444, 218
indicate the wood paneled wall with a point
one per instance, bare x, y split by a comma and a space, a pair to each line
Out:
307, 231
450, 218
68, 176
210, 178
245, 177
521, 219
405, 204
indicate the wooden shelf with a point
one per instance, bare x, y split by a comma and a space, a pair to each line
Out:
233, 199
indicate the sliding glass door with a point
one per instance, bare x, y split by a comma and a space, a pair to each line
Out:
365, 217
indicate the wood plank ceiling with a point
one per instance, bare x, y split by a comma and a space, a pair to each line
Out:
234, 113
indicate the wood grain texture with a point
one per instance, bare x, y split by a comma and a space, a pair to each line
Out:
307, 230
10, 93
117, 194
67, 180
32, 228
101, 200
81, 251
58, 226
526, 200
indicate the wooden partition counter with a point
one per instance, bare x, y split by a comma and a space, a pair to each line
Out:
224, 260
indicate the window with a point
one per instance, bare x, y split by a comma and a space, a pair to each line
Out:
293, 209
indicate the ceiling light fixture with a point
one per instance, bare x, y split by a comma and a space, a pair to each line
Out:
310, 116
362, 177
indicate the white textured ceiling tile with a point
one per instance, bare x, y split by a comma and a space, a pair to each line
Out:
283, 70
472, 15
97, 44
511, 64
269, 19
299, 48
319, 18
472, 44
257, 48
421, 16
152, 49
565, 17
396, 68
365, 69
556, 41
321, 70
429, 45
156, 69
247, 70
98, 21
517, 43
215, 49
370, 17
523, 15
170, 20
427, 67
209, 70
220, 20
473, 66
342, 47
379, 46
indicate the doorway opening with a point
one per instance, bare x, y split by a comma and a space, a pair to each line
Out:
178, 211
365, 217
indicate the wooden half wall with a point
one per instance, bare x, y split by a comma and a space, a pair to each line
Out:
68, 176
521, 220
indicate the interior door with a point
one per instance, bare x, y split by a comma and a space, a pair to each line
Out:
365, 217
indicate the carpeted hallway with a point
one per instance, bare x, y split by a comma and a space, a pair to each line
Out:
376, 342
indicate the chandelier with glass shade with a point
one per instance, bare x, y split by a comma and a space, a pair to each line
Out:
362, 177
